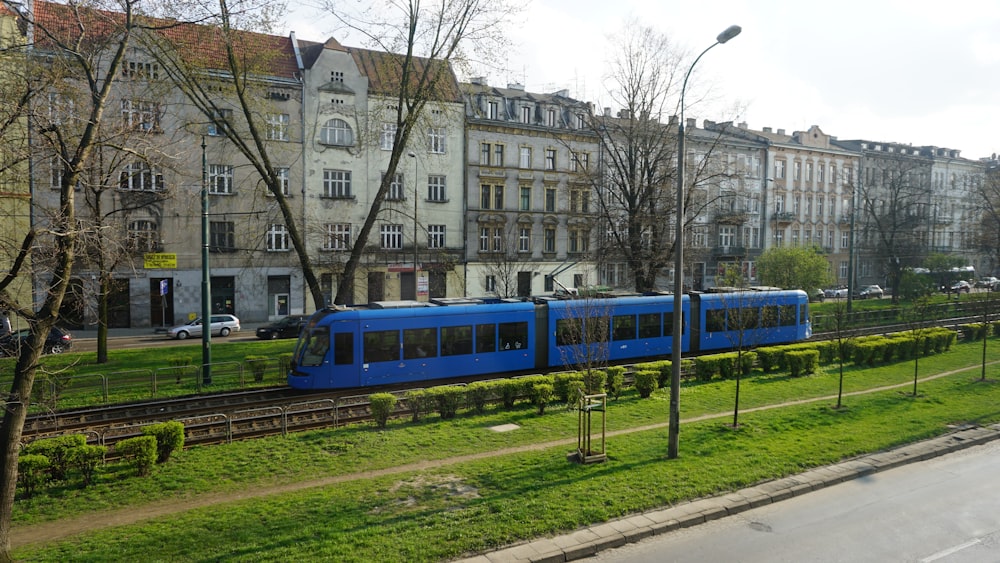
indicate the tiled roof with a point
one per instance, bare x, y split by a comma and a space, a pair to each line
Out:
384, 72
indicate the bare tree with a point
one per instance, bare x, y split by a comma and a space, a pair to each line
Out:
506, 263
84, 46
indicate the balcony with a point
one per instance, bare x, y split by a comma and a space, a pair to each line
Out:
783, 217
726, 217
845, 219
729, 252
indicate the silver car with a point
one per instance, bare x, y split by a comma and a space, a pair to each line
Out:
222, 325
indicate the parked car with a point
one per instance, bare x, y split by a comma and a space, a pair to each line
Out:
871, 292
817, 295
59, 341
835, 292
987, 282
221, 325
287, 327
959, 286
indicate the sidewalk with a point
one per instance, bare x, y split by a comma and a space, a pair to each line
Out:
588, 541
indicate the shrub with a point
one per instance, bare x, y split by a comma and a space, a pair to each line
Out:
574, 390
509, 390
86, 459
541, 395
478, 394
169, 437
420, 403
139, 452
447, 398
561, 385
285, 362
32, 472
802, 362
257, 366
661, 366
382, 405
706, 366
57, 451
616, 380
593, 381
180, 364
646, 381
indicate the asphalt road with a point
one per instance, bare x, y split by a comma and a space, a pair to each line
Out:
946, 509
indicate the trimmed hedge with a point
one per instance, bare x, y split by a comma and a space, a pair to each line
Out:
169, 437
447, 398
32, 472
57, 450
646, 381
616, 381
87, 459
139, 452
382, 405
802, 362
541, 395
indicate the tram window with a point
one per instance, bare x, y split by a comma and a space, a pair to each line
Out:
748, 318
486, 338
420, 343
715, 320
770, 317
568, 332
668, 324
513, 336
803, 314
316, 347
623, 327
381, 346
456, 340
789, 317
649, 325
598, 329
343, 348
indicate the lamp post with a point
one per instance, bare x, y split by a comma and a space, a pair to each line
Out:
678, 324
416, 195
206, 279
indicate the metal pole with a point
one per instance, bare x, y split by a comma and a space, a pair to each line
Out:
206, 280
678, 324
416, 195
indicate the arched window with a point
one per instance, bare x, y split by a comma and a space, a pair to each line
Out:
336, 132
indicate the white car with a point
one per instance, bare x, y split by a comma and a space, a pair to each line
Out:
836, 292
222, 325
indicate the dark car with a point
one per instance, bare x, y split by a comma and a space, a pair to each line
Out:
287, 327
59, 341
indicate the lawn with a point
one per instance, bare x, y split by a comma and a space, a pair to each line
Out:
342, 511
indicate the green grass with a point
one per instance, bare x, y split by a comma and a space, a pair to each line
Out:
443, 512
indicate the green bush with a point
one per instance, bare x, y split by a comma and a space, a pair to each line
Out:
180, 364
169, 438
448, 399
616, 381
139, 452
646, 381
561, 385
420, 403
574, 390
478, 394
285, 362
594, 381
257, 366
382, 405
802, 362
661, 366
541, 395
706, 367
57, 451
509, 390
32, 472
87, 459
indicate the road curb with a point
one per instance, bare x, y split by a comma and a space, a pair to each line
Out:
588, 541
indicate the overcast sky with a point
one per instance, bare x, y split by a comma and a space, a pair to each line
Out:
916, 71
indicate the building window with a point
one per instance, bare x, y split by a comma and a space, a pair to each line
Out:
497, 154
141, 115
525, 198
550, 118
779, 168
579, 240
579, 201
388, 136
141, 71
491, 197
550, 199
820, 173
809, 172
845, 240
391, 237
284, 184
524, 160
222, 236
550, 240
435, 236
525, 114
550, 159
337, 183
276, 126
796, 170
221, 118
337, 76
277, 238
436, 140
140, 177
581, 121
727, 236
336, 132
436, 188
842, 270
143, 236
395, 192
524, 239
485, 153
494, 110
491, 239
581, 161
491, 284
220, 178
338, 237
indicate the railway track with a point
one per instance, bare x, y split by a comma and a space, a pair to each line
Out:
224, 417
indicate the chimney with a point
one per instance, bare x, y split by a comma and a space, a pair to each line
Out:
742, 125
706, 124
478, 80
766, 129
624, 114
691, 123
515, 86
781, 131
607, 111
672, 120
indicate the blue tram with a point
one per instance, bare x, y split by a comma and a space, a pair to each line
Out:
403, 342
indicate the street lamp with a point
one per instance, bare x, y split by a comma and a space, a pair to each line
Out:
416, 194
678, 325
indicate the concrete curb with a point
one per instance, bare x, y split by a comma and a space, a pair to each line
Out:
588, 541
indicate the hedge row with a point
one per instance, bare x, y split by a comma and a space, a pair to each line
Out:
863, 351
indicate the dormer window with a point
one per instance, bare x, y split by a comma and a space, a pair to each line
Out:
494, 110
550, 118
525, 114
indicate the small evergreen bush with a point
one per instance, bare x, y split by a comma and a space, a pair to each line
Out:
87, 459
169, 437
646, 381
139, 452
32, 472
478, 394
541, 395
382, 405
57, 451
448, 399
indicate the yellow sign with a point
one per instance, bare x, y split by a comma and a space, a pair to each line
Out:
159, 260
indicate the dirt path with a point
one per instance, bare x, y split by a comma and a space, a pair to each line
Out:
62, 529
